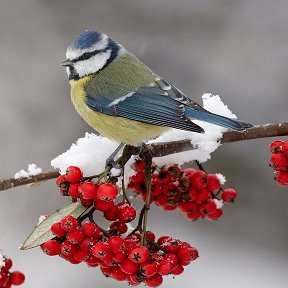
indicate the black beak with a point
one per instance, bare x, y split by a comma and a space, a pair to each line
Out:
67, 63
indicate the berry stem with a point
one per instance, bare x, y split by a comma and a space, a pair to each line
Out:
200, 166
148, 169
88, 215
125, 197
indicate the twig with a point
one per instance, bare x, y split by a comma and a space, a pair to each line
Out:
165, 148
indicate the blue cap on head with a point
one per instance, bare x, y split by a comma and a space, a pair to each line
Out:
85, 40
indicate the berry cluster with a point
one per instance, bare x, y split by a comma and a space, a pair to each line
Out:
7, 278
100, 195
119, 257
279, 161
193, 191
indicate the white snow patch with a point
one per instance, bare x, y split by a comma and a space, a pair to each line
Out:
88, 153
219, 203
32, 171
42, 218
221, 178
2, 260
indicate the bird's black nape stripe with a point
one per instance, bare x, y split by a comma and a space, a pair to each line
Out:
114, 47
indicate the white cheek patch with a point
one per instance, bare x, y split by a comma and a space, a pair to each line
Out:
100, 45
93, 64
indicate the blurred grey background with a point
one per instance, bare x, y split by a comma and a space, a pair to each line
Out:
237, 49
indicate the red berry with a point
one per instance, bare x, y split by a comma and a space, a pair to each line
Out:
154, 281
128, 267
121, 227
61, 179
187, 254
58, 230
69, 223
178, 269
156, 188
279, 162
86, 202
194, 215
51, 247
202, 196
199, 179
103, 205
4, 278
80, 255
116, 244
101, 250
7, 264
139, 177
138, 165
92, 261
173, 258
132, 279
150, 236
213, 183
91, 229
138, 254
282, 178
73, 190
87, 190
67, 249
188, 206
164, 267
126, 213
75, 237
208, 207
131, 241
171, 189
174, 170
119, 257
229, 195
73, 174
184, 183
17, 278
161, 199
107, 192
284, 147
148, 269
87, 244
111, 213
216, 214
118, 274
275, 146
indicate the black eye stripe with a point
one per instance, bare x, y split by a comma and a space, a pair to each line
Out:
86, 56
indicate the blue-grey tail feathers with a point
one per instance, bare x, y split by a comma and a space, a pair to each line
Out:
217, 119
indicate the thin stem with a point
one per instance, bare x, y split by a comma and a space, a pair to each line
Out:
148, 170
200, 166
140, 221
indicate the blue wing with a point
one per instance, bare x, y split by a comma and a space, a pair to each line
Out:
148, 104
162, 105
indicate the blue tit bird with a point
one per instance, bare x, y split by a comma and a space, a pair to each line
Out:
123, 99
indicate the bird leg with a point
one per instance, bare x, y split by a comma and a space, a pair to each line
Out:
110, 161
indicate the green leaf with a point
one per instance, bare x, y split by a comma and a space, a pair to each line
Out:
42, 232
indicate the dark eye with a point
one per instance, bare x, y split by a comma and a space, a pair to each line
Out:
85, 56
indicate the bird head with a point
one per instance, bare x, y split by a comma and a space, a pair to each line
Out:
89, 53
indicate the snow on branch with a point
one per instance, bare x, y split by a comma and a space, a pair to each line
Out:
167, 148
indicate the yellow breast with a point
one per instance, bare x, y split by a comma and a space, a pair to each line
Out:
118, 129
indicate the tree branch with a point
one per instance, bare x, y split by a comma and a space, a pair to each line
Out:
166, 148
